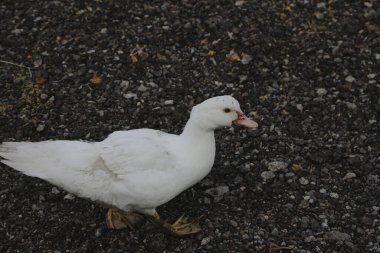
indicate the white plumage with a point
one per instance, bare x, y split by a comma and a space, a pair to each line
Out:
134, 170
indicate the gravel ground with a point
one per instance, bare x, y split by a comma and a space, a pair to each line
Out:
306, 70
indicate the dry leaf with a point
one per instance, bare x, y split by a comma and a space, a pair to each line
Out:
204, 42
211, 53
142, 55
296, 168
40, 80
4, 108
162, 58
289, 8
96, 80
284, 113
264, 97
134, 59
233, 56
373, 28
255, 115
138, 54
213, 61
239, 2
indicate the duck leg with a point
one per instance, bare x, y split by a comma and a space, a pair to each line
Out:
118, 219
180, 228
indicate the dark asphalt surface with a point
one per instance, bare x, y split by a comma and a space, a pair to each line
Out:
307, 70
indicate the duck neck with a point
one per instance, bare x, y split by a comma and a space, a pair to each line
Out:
197, 136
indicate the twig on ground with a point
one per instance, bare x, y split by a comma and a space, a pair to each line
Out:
18, 65
273, 247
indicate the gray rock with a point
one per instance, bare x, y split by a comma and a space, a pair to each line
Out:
130, 95
98, 232
349, 175
351, 106
55, 190
290, 175
40, 127
168, 102
44, 96
337, 236
142, 88
266, 175
246, 58
310, 238
218, 191
321, 5
233, 223
350, 79
303, 181
205, 241
321, 92
124, 84
277, 165
69, 196
299, 107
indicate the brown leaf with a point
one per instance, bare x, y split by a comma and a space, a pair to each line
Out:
264, 97
296, 168
373, 28
239, 3
211, 53
40, 80
134, 59
138, 54
96, 80
284, 113
142, 55
162, 58
204, 42
255, 115
233, 56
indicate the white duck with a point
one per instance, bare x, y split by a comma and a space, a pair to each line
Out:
132, 171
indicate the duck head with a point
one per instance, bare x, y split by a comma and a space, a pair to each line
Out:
221, 111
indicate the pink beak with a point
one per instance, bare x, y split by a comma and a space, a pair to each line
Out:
242, 120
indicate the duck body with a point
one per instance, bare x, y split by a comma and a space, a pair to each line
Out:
131, 170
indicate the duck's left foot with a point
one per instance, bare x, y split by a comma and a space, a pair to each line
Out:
181, 227
118, 219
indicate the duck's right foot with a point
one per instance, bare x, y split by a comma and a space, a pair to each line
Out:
180, 228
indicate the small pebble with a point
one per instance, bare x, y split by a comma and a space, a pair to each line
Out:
205, 241
218, 191
303, 181
277, 165
310, 239
40, 127
351, 106
266, 175
350, 79
337, 236
55, 190
246, 58
321, 92
168, 102
349, 175
299, 107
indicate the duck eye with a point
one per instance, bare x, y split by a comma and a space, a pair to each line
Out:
227, 110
